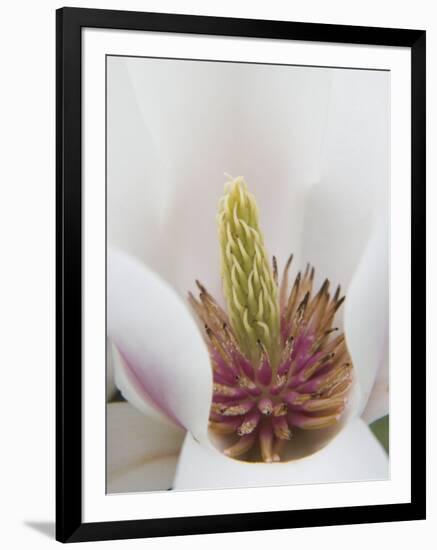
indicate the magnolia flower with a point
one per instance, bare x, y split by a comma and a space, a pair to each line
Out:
318, 199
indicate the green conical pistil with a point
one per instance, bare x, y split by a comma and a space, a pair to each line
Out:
248, 280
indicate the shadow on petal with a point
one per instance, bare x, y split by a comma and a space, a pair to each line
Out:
142, 453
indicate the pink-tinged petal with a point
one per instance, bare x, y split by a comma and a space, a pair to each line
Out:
353, 455
136, 393
141, 453
165, 357
219, 117
366, 316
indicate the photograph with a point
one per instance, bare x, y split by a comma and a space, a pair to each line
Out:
247, 274
215, 302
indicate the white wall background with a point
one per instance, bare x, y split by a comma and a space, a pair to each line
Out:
27, 234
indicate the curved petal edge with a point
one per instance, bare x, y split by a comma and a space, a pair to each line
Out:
160, 343
354, 455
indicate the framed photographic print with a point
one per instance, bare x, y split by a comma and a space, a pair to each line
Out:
240, 274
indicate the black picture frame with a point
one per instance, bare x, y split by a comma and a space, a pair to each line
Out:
69, 23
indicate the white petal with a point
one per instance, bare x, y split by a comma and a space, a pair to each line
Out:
111, 389
354, 182
354, 455
141, 453
160, 342
135, 192
378, 402
366, 316
345, 233
263, 122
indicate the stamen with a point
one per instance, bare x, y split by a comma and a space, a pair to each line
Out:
220, 368
249, 386
280, 409
240, 361
280, 382
293, 297
312, 422
294, 398
265, 369
221, 379
243, 445
280, 428
265, 405
284, 282
227, 391
224, 427
266, 442
278, 446
301, 310
236, 410
250, 423
314, 405
310, 368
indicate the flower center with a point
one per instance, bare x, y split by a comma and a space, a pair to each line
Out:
280, 368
